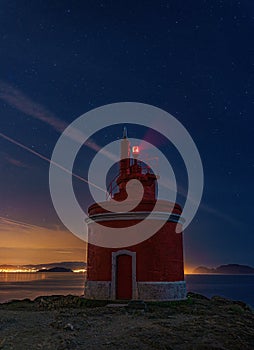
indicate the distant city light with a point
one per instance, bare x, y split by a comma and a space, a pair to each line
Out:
8, 270
79, 270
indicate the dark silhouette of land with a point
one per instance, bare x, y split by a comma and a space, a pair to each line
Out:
233, 269
56, 269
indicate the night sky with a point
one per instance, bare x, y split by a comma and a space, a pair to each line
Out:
59, 59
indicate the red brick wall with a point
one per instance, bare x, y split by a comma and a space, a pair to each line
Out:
159, 258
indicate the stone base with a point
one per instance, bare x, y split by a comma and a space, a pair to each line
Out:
148, 291
162, 291
100, 290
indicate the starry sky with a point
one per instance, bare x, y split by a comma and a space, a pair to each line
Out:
60, 59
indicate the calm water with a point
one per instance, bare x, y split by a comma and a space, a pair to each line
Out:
236, 287
31, 285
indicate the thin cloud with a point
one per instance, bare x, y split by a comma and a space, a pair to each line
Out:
169, 184
20, 101
17, 99
13, 161
48, 160
25, 243
221, 215
19, 234
10, 223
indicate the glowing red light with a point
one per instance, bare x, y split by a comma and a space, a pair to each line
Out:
135, 150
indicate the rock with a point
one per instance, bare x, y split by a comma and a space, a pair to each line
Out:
69, 327
197, 296
243, 305
221, 300
2, 342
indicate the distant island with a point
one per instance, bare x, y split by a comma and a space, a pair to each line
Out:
229, 269
56, 269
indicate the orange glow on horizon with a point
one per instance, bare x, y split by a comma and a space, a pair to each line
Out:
188, 270
25, 244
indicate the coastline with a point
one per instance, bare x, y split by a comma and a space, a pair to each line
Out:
32, 285
71, 322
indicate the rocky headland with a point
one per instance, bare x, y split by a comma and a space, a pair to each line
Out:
70, 322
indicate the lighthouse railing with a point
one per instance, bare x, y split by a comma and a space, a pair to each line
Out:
145, 168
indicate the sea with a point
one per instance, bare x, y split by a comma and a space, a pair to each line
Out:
30, 285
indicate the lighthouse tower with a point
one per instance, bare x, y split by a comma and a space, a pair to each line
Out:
150, 270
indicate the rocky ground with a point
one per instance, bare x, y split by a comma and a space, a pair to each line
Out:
58, 323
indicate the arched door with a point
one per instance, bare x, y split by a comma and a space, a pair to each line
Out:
124, 277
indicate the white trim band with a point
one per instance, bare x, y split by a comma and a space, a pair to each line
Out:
135, 215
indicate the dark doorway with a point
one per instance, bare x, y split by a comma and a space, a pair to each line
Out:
124, 277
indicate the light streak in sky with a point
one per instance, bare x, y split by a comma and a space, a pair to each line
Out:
6, 220
49, 161
25, 104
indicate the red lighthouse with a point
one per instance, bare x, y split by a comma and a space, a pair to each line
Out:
150, 270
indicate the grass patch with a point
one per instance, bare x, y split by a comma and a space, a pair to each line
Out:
172, 304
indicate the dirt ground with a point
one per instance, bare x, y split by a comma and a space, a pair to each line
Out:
58, 323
